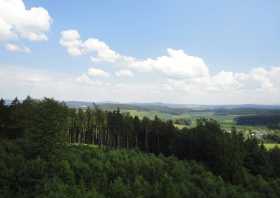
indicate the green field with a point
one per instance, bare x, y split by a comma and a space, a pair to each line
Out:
148, 114
270, 146
226, 121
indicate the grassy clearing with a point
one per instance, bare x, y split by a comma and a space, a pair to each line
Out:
270, 146
149, 114
87, 145
226, 121
180, 126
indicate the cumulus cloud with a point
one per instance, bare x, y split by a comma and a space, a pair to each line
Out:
175, 64
178, 70
124, 73
86, 80
21, 81
95, 72
16, 48
70, 39
259, 85
18, 21
257, 80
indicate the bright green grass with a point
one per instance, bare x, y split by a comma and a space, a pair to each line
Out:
226, 121
270, 146
181, 126
149, 114
89, 145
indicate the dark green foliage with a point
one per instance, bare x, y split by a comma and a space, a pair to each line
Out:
275, 160
38, 156
222, 152
46, 131
116, 130
183, 121
270, 120
273, 137
42, 125
92, 172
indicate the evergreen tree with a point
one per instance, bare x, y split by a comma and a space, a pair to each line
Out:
46, 134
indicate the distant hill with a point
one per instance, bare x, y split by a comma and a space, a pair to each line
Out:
178, 109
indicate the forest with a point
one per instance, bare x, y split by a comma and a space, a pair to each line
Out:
50, 150
269, 120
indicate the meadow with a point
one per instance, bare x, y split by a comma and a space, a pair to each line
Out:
226, 120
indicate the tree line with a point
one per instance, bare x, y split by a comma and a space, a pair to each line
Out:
270, 120
120, 130
45, 126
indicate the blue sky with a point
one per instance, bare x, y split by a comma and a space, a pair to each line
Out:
237, 41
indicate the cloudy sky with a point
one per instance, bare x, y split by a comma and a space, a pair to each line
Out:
173, 51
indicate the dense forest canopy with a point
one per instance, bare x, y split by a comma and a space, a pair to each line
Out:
270, 120
46, 137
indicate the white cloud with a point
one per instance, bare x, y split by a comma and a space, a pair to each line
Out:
221, 88
16, 21
102, 50
95, 72
259, 85
5, 30
124, 73
256, 80
70, 39
175, 64
22, 81
16, 48
179, 74
85, 79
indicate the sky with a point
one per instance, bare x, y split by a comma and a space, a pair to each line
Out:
170, 51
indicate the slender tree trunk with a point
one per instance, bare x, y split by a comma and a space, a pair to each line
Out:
127, 141
136, 141
158, 146
146, 140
